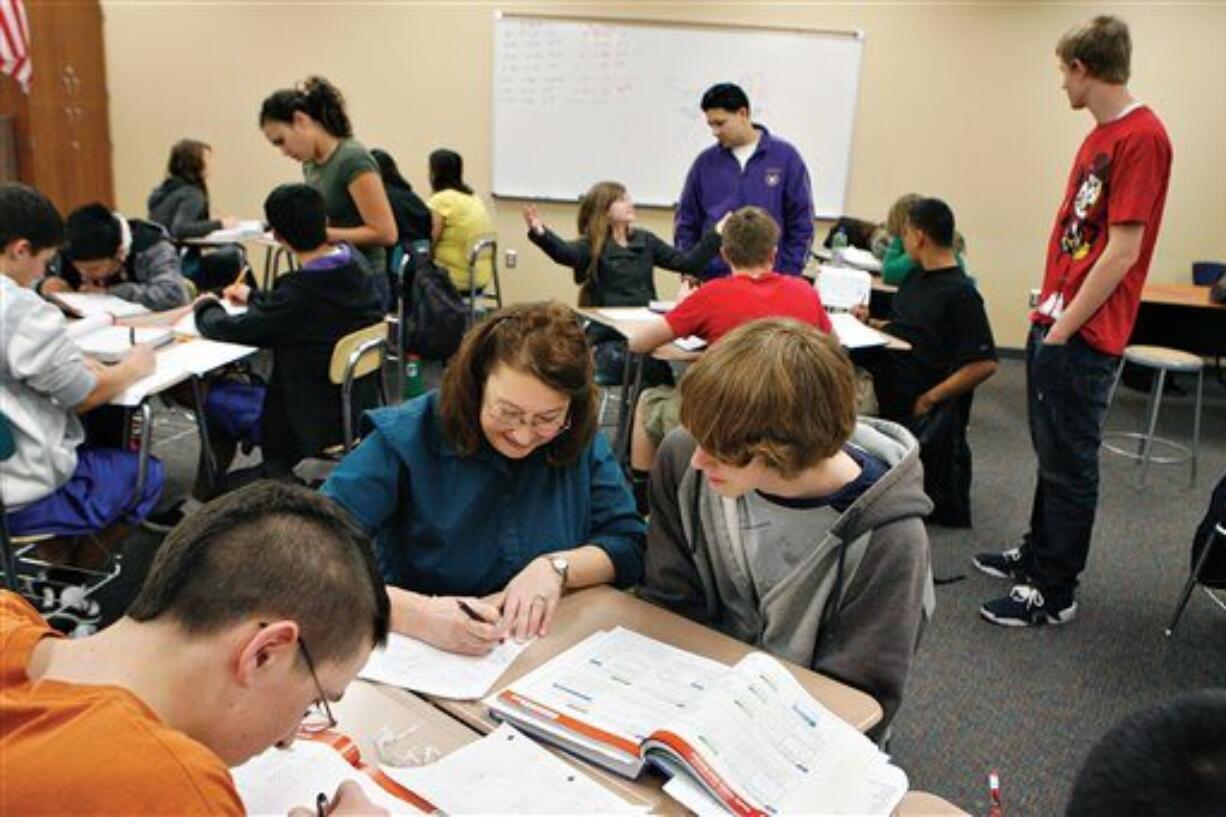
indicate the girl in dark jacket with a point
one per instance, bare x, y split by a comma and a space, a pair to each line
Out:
181, 205
613, 263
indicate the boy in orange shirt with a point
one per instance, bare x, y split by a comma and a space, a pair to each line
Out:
209, 667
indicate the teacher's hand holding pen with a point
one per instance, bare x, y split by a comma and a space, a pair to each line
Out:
350, 801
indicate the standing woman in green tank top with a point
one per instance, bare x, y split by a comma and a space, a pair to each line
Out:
309, 123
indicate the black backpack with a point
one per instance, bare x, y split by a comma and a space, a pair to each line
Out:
1213, 574
435, 316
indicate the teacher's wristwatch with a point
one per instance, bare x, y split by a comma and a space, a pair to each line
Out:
561, 566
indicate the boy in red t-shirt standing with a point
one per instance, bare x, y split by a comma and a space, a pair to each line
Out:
1097, 259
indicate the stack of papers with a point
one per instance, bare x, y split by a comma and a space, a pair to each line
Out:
85, 304
855, 335
111, 344
245, 229
842, 288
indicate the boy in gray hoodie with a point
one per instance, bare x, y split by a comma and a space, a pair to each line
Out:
782, 520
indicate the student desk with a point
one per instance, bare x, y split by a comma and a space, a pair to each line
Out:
368, 707
175, 365
601, 608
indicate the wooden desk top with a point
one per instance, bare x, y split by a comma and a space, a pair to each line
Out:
610, 316
601, 608
1179, 295
368, 707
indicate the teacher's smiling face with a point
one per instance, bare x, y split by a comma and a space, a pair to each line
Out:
519, 413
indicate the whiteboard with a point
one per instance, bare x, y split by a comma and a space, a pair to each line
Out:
581, 101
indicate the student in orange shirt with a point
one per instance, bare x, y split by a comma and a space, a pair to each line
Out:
210, 666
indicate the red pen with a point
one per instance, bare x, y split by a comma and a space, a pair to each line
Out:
996, 809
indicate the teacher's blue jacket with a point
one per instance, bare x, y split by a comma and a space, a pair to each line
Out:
448, 524
774, 178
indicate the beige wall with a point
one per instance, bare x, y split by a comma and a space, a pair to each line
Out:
957, 101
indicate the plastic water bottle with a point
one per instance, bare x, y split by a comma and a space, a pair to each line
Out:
837, 245
414, 386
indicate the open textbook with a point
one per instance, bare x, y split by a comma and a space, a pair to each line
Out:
750, 734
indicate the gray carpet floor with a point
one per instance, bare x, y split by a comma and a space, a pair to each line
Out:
1031, 703
1026, 703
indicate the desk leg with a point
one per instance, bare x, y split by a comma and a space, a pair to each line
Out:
146, 437
627, 380
202, 426
631, 388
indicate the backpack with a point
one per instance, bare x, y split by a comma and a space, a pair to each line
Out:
435, 316
1213, 574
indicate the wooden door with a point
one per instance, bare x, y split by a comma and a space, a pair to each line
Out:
62, 129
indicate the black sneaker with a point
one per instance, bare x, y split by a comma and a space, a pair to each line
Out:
165, 521
1007, 565
1025, 606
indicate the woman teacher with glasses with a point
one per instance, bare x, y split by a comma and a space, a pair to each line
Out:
491, 497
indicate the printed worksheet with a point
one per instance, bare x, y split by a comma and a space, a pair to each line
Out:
506, 772
417, 666
277, 780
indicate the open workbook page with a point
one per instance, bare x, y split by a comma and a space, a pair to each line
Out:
604, 696
761, 744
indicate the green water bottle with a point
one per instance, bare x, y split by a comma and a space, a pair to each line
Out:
414, 386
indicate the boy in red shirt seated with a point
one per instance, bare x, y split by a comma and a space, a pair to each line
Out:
754, 290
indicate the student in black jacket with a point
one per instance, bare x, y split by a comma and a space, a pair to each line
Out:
300, 320
614, 261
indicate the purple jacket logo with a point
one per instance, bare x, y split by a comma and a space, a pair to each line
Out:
773, 177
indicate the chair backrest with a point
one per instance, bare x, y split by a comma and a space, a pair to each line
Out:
492, 293
358, 353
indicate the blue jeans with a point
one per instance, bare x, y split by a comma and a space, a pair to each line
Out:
1067, 388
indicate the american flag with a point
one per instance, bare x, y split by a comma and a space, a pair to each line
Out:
15, 43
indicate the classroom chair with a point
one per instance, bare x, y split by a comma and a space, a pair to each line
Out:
490, 296
1161, 360
56, 595
1209, 565
355, 356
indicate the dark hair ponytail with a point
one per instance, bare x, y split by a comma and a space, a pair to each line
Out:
315, 97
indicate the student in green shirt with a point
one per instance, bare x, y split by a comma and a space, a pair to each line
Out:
309, 123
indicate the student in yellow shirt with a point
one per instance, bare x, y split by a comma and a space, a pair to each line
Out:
458, 219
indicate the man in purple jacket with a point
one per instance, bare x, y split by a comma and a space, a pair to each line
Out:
746, 166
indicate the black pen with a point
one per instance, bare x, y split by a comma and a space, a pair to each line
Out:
470, 612
321, 804
131, 335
